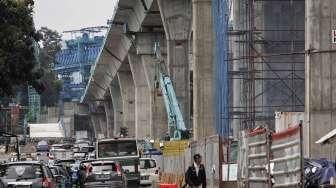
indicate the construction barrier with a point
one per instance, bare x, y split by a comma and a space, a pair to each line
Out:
176, 161
287, 160
257, 159
168, 185
271, 159
171, 179
242, 159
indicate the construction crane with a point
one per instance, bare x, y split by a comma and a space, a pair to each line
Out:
176, 125
81, 44
96, 29
74, 62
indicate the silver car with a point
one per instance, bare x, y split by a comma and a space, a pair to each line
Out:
105, 174
26, 174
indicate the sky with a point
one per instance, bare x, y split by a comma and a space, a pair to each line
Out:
63, 15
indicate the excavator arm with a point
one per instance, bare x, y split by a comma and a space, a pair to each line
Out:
176, 125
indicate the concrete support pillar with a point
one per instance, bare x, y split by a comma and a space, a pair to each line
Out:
109, 117
102, 124
127, 91
176, 19
82, 119
203, 79
320, 104
98, 120
95, 124
117, 105
143, 121
144, 47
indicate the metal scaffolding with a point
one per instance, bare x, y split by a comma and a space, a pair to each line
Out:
34, 101
266, 61
73, 63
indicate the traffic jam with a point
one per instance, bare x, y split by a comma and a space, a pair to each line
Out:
104, 163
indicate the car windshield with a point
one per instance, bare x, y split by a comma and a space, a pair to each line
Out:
100, 167
145, 164
117, 149
66, 163
21, 171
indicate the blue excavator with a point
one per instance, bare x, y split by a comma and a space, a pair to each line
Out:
176, 126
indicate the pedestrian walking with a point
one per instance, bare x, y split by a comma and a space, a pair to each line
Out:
195, 176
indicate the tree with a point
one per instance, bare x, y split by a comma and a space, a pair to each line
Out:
18, 39
51, 44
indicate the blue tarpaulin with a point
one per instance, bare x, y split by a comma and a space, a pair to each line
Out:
220, 12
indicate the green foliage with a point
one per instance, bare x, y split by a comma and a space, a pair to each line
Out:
51, 44
17, 46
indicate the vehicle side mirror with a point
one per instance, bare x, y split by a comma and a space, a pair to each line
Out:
162, 146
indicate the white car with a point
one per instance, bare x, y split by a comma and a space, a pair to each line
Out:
149, 171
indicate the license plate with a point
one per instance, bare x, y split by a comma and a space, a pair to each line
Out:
103, 176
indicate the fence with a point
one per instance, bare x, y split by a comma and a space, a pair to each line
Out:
257, 159
287, 160
176, 164
242, 159
271, 159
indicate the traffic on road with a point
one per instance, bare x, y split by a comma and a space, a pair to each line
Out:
104, 163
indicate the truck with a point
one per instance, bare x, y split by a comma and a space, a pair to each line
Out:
125, 152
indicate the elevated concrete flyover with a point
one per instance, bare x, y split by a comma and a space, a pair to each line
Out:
124, 80
125, 73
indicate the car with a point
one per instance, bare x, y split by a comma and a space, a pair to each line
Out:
27, 173
87, 163
87, 149
71, 166
125, 152
105, 174
66, 146
149, 171
65, 162
62, 177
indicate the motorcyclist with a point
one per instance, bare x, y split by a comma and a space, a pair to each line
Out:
81, 175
